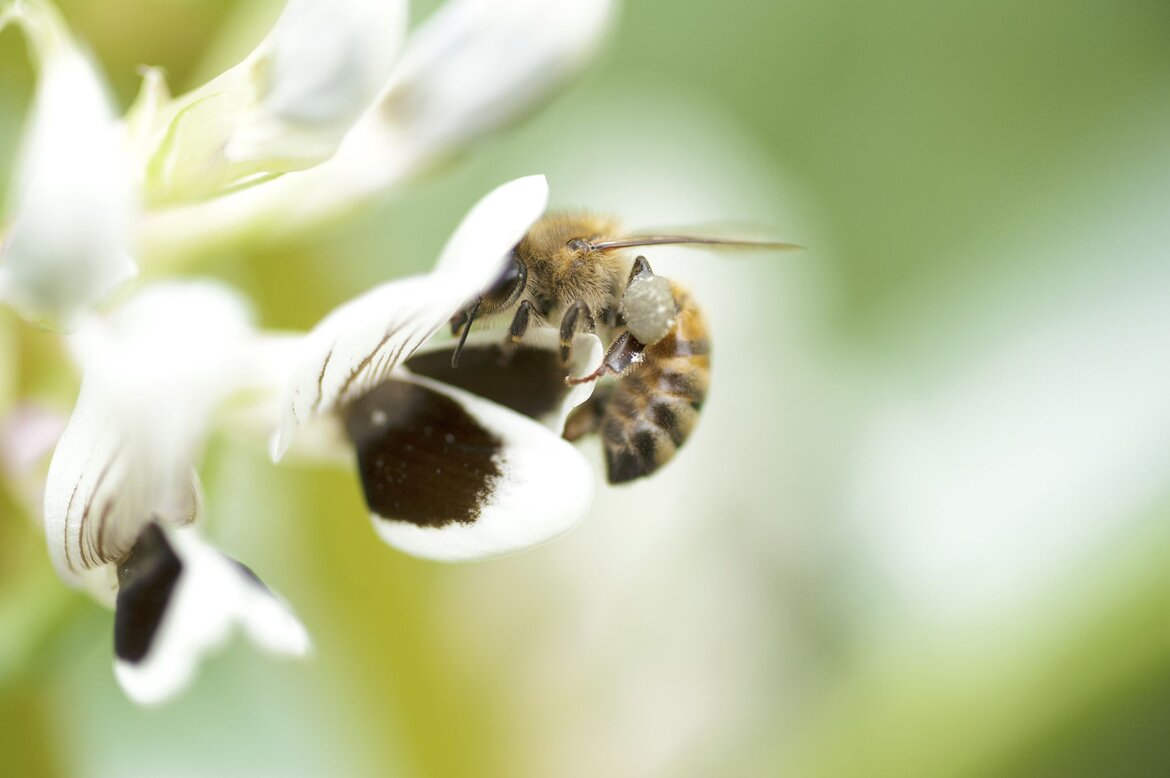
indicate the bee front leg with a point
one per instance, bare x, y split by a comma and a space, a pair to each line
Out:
576, 319
520, 322
621, 354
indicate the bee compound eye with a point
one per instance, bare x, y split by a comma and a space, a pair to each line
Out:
507, 287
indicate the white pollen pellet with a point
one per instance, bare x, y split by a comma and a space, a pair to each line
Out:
649, 309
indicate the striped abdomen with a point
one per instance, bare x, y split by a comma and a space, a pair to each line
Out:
654, 406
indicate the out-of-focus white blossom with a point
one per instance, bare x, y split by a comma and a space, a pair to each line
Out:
153, 373
313, 122
478, 64
122, 481
207, 595
323, 115
470, 69
67, 244
285, 107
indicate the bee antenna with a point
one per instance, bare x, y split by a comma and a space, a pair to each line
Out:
679, 240
466, 329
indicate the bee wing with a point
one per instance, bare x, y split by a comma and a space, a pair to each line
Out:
453, 477
357, 345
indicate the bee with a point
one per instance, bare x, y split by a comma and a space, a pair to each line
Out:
573, 271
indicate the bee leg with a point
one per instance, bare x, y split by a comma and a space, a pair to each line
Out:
576, 319
516, 331
610, 317
622, 353
520, 322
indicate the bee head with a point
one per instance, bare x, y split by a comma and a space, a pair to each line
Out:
507, 287
503, 292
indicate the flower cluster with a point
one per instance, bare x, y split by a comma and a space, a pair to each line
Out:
334, 106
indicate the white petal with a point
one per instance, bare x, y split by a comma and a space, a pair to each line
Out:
153, 374
473, 68
198, 596
68, 244
83, 517
284, 107
145, 120
325, 63
493, 227
463, 478
358, 344
477, 64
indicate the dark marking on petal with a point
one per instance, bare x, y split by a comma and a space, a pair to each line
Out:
146, 582
356, 371
321, 380
103, 526
398, 351
528, 380
65, 530
422, 458
82, 537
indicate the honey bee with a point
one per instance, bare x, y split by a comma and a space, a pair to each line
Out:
572, 271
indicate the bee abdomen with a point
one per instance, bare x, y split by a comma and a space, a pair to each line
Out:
654, 409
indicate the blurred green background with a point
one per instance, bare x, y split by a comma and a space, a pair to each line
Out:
922, 528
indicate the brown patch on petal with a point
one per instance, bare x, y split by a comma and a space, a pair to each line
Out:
421, 456
146, 583
528, 380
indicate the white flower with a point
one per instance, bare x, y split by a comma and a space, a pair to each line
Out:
67, 244
473, 67
284, 107
321, 116
122, 487
179, 598
448, 473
